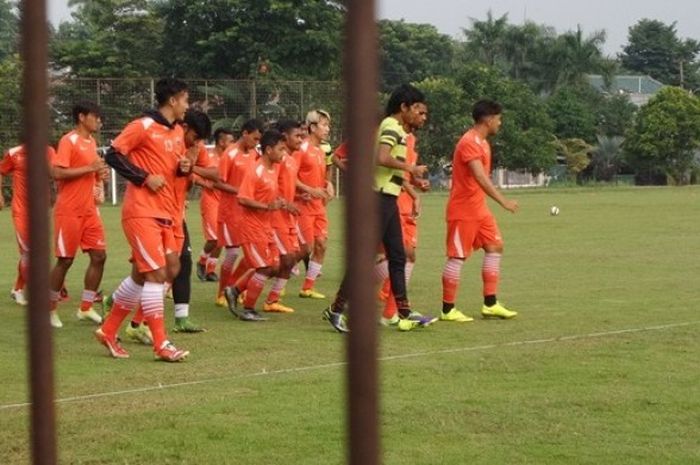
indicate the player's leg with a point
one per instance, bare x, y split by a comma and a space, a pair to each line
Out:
22, 236
93, 243
261, 257
67, 235
489, 238
319, 228
287, 249
460, 237
182, 289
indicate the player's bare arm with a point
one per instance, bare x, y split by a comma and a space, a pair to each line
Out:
477, 170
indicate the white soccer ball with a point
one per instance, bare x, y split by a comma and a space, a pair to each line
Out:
554, 211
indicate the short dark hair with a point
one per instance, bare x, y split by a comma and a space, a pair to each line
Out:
285, 126
199, 122
220, 131
169, 87
85, 108
252, 125
404, 94
270, 138
485, 108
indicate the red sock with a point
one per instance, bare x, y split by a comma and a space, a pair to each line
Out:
450, 279
203, 257
242, 284
238, 273
152, 303
138, 316
87, 300
227, 268
277, 286
490, 273
211, 265
254, 289
19, 283
390, 308
114, 320
311, 275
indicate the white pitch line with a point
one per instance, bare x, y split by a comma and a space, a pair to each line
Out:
293, 370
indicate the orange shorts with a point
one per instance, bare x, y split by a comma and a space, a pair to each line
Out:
465, 236
286, 240
150, 240
210, 224
409, 230
179, 236
261, 254
229, 233
71, 232
22, 232
313, 227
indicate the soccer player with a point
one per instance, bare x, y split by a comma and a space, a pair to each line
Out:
15, 162
155, 144
233, 165
258, 197
409, 210
77, 223
403, 112
209, 210
285, 221
470, 223
313, 221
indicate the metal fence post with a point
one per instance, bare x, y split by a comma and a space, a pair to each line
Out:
361, 79
35, 123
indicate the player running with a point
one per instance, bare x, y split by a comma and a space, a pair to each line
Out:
77, 223
209, 210
259, 198
470, 223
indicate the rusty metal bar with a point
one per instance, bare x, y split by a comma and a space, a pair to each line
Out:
35, 136
361, 236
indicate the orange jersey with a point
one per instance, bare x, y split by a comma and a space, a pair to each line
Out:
183, 183
342, 151
157, 149
211, 197
288, 170
312, 172
467, 198
259, 184
233, 166
76, 196
405, 201
15, 162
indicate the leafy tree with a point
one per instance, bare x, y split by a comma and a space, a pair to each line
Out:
606, 158
654, 48
413, 52
110, 38
525, 140
573, 114
252, 38
448, 119
9, 29
615, 115
10, 111
665, 136
576, 153
486, 40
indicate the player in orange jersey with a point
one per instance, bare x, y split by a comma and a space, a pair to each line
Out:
285, 222
155, 144
233, 165
209, 210
313, 220
77, 223
470, 223
258, 197
14, 162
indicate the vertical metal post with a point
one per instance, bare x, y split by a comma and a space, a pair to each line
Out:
97, 92
361, 82
35, 136
253, 99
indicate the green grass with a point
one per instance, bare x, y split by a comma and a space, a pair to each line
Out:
615, 259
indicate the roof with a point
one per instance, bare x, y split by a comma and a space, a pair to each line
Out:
644, 85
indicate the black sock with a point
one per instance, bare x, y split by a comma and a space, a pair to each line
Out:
490, 300
446, 307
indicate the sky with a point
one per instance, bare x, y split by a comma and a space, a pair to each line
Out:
449, 16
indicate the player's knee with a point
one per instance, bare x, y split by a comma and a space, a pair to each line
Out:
494, 248
64, 262
98, 257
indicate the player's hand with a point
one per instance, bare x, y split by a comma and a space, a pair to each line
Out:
291, 208
511, 205
330, 190
104, 173
276, 204
422, 184
185, 165
417, 171
98, 165
416, 207
318, 193
155, 182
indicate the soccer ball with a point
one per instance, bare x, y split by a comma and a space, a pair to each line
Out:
554, 211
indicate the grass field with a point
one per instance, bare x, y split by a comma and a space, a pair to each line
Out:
601, 366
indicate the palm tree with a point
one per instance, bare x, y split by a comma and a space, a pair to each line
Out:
486, 39
578, 55
607, 157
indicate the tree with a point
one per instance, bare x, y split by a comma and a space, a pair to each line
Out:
654, 48
246, 39
10, 109
525, 140
110, 38
576, 153
572, 112
615, 115
9, 29
413, 52
665, 136
607, 158
448, 120
486, 40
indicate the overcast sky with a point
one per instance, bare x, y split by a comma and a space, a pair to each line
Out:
449, 16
